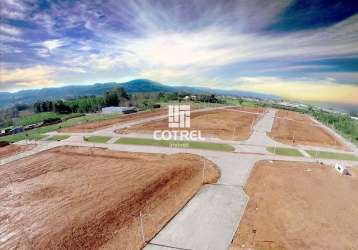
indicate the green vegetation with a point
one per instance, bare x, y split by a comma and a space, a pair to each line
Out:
58, 137
284, 151
36, 118
176, 144
332, 155
35, 137
342, 123
7, 115
243, 103
86, 104
88, 118
97, 139
22, 115
34, 134
39, 117
37, 133
193, 105
347, 126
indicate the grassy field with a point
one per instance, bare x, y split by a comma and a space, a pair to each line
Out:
97, 139
36, 134
192, 104
38, 117
343, 124
58, 137
242, 103
332, 155
284, 151
176, 144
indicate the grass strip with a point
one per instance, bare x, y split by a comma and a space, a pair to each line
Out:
97, 139
176, 144
36, 133
332, 155
284, 151
58, 137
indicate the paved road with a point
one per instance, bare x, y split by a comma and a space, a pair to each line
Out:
256, 143
210, 219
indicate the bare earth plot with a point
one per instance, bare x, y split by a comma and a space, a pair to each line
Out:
96, 125
297, 205
91, 198
223, 123
294, 128
14, 149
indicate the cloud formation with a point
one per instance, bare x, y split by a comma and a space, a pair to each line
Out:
31, 77
206, 43
302, 89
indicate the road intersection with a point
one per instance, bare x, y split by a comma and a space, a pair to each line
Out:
210, 219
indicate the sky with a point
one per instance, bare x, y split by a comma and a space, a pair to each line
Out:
299, 50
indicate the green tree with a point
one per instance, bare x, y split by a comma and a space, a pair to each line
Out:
111, 98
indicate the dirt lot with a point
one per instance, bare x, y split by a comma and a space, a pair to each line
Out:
294, 128
297, 205
93, 126
91, 198
229, 124
13, 149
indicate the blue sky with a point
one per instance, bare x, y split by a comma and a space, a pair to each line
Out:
301, 50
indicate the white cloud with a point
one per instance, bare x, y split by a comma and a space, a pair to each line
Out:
12, 9
177, 54
302, 89
30, 77
8, 39
53, 44
11, 14
8, 49
170, 43
15, 4
10, 30
45, 21
45, 48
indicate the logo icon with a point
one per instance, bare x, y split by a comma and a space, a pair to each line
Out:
179, 116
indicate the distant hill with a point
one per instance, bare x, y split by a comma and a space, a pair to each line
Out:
136, 86
235, 93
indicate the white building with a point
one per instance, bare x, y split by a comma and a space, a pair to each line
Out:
341, 169
119, 110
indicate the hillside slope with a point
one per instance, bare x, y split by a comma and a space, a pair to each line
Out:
134, 86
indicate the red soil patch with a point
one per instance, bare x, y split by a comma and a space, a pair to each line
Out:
298, 205
294, 128
96, 125
14, 149
91, 198
220, 123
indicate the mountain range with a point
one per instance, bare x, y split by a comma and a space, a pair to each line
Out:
8, 99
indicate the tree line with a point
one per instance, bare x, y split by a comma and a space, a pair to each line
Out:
116, 97
92, 104
343, 123
86, 104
